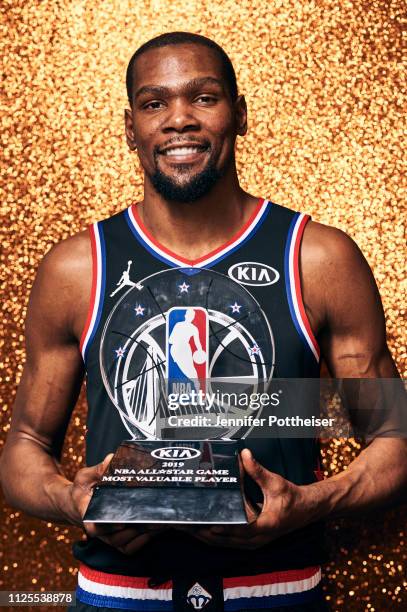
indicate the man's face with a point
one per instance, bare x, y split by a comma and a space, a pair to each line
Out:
183, 122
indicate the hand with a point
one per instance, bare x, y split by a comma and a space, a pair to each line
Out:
282, 511
121, 536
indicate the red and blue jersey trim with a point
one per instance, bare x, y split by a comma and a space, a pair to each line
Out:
98, 287
156, 249
269, 590
293, 283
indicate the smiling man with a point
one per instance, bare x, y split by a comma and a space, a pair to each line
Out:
316, 291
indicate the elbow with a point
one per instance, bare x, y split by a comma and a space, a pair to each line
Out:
3, 478
2, 472
6, 492
6, 480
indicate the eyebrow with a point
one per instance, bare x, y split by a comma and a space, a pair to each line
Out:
159, 90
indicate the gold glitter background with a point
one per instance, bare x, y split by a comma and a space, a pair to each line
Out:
324, 86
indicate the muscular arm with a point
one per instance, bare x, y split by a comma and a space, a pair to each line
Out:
30, 470
343, 303
31, 474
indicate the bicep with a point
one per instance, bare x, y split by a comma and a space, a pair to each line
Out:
53, 371
353, 338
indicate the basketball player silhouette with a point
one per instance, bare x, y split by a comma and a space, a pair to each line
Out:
124, 280
181, 350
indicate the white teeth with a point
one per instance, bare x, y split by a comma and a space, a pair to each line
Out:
182, 151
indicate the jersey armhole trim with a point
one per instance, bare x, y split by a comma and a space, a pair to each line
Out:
293, 283
98, 288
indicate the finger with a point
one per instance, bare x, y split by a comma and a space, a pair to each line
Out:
136, 544
125, 545
252, 512
87, 477
122, 538
191, 529
234, 542
225, 530
106, 462
241, 468
95, 529
239, 531
255, 470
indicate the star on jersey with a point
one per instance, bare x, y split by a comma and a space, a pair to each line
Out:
255, 349
184, 287
139, 310
120, 352
235, 307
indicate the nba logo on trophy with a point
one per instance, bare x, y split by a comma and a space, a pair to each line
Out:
187, 349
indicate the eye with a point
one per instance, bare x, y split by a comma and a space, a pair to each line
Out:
206, 99
153, 105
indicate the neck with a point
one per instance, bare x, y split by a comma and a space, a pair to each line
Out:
195, 228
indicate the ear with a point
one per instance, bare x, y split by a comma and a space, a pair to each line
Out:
129, 129
241, 115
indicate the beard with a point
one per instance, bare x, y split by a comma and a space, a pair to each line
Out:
195, 188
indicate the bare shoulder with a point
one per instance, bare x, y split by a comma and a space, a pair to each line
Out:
70, 255
326, 244
336, 277
63, 284
331, 257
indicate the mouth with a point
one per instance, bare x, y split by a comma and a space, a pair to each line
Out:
184, 153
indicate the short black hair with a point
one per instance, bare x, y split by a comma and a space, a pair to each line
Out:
182, 38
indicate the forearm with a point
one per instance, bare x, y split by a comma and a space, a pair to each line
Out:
32, 481
376, 477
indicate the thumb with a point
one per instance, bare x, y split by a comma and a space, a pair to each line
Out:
89, 476
254, 469
102, 466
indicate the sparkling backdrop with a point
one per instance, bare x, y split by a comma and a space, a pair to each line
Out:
324, 86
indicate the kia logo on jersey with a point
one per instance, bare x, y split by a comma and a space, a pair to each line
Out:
253, 273
187, 349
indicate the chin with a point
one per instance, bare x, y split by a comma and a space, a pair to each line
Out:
190, 190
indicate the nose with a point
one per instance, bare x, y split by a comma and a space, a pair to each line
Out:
180, 117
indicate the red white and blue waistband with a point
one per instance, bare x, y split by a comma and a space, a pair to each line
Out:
269, 590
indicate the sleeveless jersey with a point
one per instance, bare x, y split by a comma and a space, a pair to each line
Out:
264, 257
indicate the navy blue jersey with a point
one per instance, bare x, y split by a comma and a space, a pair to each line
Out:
263, 258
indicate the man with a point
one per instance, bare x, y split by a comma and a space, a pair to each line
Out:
185, 114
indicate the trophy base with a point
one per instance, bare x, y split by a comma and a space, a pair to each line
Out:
189, 482
142, 505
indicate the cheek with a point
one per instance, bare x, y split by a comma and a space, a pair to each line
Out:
226, 136
145, 148
225, 131
146, 134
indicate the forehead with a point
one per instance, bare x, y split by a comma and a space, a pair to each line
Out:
167, 66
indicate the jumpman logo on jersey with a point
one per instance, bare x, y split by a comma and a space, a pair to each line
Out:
124, 280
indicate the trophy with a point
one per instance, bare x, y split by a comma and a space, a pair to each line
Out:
178, 350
